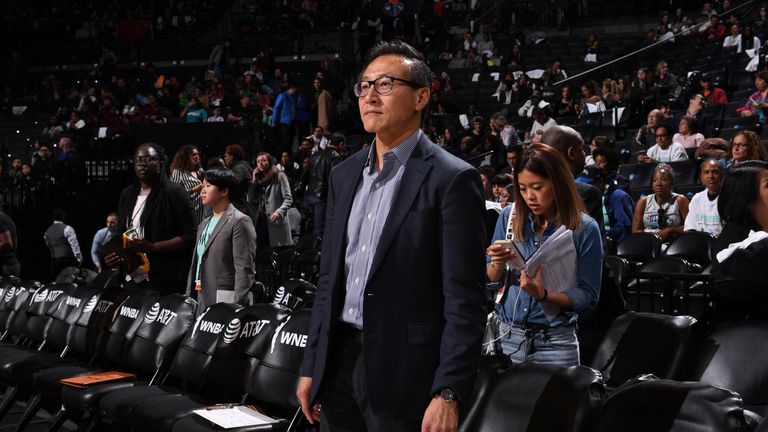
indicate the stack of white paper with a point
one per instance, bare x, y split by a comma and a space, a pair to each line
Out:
237, 416
558, 254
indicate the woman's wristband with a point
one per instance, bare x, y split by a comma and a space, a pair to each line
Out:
544, 298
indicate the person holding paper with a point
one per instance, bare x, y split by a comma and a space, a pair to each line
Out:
538, 320
222, 269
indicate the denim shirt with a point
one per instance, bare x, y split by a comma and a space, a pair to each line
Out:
589, 251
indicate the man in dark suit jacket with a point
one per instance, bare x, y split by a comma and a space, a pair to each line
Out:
399, 315
571, 146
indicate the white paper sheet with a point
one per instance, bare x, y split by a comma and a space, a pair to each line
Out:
558, 254
238, 416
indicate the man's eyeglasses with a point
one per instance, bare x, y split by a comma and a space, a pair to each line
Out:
144, 160
662, 136
383, 85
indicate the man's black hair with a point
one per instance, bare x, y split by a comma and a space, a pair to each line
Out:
222, 178
418, 70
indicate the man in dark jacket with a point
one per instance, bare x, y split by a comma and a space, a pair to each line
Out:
159, 214
316, 178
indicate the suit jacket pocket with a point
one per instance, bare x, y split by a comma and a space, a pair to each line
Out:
424, 333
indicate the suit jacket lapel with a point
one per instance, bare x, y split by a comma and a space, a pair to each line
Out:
217, 229
416, 170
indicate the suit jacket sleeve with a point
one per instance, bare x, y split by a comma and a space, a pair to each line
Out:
243, 254
322, 305
463, 266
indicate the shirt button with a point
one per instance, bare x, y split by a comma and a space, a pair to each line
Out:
351, 311
370, 216
357, 280
363, 248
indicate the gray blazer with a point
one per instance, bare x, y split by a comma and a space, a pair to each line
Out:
227, 266
278, 198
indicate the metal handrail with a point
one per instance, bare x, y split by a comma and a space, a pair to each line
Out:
646, 48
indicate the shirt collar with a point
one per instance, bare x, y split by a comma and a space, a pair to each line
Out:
402, 152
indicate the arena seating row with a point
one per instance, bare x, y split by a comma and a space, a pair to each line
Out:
228, 354
677, 370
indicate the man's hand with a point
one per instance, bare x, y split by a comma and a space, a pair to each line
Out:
302, 392
274, 217
441, 416
112, 260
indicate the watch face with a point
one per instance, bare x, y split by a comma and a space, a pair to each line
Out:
448, 395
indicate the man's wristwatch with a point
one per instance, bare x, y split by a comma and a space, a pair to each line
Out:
447, 395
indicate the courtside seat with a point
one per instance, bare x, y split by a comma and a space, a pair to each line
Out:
541, 397
250, 330
644, 343
658, 405
162, 324
188, 369
274, 379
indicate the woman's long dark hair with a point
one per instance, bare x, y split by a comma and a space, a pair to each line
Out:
739, 193
545, 161
181, 160
271, 175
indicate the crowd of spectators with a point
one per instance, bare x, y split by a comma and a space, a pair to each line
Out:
292, 116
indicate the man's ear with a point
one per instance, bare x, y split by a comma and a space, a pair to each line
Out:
423, 99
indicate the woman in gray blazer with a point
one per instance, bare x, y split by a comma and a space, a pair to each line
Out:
222, 268
270, 192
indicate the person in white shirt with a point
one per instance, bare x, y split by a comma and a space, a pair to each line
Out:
318, 140
665, 150
541, 122
216, 117
702, 211
734, 39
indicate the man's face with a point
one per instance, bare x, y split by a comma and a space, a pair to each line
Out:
111, 221
711, 176
511, 159
387, 113
697, 101
318, 132
147, 164
305, 145
663, 139
45, 152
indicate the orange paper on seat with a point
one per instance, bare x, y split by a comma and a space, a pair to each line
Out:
96, 378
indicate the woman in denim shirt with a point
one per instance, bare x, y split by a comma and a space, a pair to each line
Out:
545, 198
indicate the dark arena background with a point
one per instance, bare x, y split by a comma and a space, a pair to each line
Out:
678, 340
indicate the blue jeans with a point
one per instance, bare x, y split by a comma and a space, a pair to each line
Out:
557, 345
318, 213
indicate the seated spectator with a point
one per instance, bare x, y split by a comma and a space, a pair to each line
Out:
504, 93
715, 30
758, 101
447, 140
498, 183
478, 131
492, 144
505, 131
597, 142
646, 135
526, 110
487, 173
513, 154
459, 61
75, 122
564, 106
696, 110
318, 140
617, 205
553, 74
467, 149
153, 112
733, 40
702, 211
688, 135
665, 82
541, 121
744, 207
665, 150
216, 117
714, 148
712, 95
663, 212
53, 129
745, 146
507, 195
194, 112
749, 40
